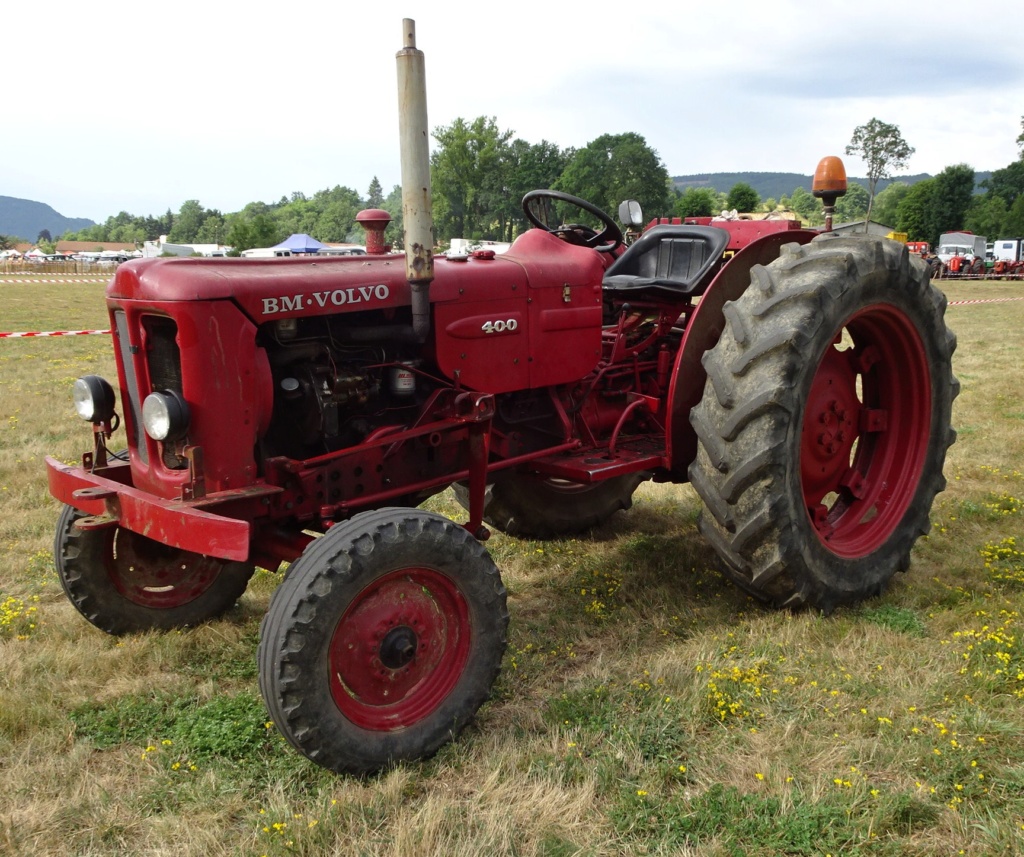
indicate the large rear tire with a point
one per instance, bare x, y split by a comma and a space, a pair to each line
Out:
531, 506
383, 640
825, 421
124, 583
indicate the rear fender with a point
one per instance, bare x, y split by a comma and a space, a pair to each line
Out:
702, 332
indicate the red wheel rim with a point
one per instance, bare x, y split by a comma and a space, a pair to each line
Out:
865, 431
155, 575
399, 649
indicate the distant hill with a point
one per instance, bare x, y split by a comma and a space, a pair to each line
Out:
24, 218
777, 185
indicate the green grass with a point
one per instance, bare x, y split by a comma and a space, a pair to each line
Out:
645, 705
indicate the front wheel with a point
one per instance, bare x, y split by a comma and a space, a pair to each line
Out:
123, 582
825, 422
383, 640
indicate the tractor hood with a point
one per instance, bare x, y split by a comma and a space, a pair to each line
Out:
268, 289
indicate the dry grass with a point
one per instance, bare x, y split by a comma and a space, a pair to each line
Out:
645, 705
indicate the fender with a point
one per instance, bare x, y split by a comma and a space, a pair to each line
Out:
702, 332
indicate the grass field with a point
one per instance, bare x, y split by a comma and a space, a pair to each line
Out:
645, 705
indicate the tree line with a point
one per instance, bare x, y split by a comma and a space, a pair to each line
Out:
480, 172
479, 175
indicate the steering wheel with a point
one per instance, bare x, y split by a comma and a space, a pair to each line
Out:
605, 241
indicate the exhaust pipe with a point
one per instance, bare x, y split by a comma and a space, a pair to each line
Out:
414, 137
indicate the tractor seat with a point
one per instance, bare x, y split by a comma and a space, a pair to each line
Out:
668, 259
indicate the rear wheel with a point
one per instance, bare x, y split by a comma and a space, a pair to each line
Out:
383, 640
825, 422
123, 582
532, 506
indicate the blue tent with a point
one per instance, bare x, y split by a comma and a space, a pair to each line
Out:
300, 243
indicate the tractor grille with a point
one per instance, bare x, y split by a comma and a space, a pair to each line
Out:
162, 353
131, 385
163, 362
163, 359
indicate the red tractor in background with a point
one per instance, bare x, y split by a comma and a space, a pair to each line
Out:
295, 410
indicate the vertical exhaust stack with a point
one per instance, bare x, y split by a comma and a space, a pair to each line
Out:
415, 153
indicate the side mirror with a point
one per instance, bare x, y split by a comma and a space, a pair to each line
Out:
630, 214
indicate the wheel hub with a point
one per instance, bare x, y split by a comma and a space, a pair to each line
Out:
830, 425
398, 647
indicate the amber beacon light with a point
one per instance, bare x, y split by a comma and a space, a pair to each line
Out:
829, 184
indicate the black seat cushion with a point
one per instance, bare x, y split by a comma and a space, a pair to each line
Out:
668, 259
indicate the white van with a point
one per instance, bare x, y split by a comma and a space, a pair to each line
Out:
346, 250
265, 253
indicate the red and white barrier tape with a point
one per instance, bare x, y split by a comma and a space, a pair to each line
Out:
29, 333
984, 301
14, 280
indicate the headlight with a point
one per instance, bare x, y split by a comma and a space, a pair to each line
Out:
94, 399
165, 415
630, 213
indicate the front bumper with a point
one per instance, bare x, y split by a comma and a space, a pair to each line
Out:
111, 500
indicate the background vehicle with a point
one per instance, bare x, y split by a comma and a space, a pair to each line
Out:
962, 253
266, 253
299, 411
1008, 257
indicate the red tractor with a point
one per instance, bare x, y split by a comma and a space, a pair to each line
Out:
298, 410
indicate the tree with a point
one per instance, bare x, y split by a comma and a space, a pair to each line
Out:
954, 189
853, 205
914, 213
742, 197
1007, 183
334, 215
374, 194
1020, 137
186, 224
1014, 222
154, 227
615, 167
805, 204
467, 173
212, 230
883, 149
265, 232
297, 215
888, 201
7, 242
127, 233
531, 166
987, 215
253, 226
44, 235
698, 202
395, 233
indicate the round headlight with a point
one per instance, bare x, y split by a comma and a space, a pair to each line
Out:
165, 415
94, 399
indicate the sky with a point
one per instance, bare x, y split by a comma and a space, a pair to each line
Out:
138, 107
